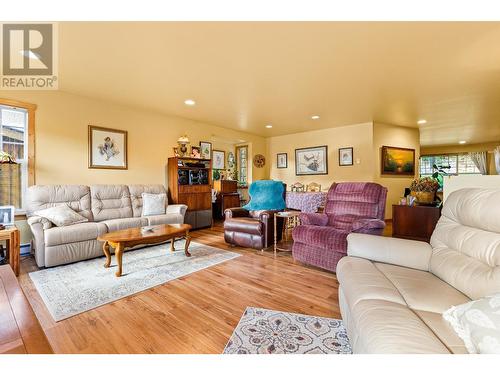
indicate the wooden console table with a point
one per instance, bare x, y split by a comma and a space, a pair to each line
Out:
414, 222
11, 235
20, 331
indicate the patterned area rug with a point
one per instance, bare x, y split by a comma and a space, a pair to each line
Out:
262, 331
72, 289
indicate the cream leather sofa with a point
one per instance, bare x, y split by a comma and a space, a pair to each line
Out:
107, 207
392, 292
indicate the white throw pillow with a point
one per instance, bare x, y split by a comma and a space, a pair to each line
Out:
61, 215
153, 204
478, 324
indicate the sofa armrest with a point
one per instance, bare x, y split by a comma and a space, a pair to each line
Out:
235, 212
368, 225
38, 225
313, 219
176, 209
405, 253
43, 222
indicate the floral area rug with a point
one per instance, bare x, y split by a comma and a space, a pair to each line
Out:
262, 331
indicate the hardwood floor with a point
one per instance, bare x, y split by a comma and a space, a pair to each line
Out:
195, 313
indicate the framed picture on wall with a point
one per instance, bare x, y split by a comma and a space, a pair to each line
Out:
107, 148
398, 161
218, 159
206, 150
345, 156
311, 161
282, 160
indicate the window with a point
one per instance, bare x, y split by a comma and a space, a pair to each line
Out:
450, 163
242, 164
16, 138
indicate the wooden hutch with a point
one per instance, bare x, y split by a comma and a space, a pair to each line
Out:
189, 183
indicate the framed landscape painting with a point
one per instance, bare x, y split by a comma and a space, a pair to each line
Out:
107, 148
311, 161
398, 161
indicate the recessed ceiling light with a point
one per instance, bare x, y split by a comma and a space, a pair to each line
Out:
315, 117
462, 142
421, 122
189, 102
269, 126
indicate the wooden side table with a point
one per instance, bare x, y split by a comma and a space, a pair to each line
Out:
11, 235
414, 222
291, 220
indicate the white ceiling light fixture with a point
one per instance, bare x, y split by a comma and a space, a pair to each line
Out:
315, 117
189, 102
422, 122
269, 126
462, 142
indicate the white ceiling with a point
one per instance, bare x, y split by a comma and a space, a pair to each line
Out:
244, 75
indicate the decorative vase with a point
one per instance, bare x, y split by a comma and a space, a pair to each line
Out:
424, 196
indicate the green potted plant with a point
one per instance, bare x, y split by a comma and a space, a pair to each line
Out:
424, 189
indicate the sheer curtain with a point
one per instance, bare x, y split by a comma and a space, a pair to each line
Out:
479, 159
497, 159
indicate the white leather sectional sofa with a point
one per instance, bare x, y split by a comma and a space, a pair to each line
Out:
107, 207
393, 292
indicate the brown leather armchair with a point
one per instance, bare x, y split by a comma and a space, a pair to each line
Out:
253, 229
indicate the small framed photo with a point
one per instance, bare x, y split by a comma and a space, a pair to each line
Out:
346, 156
176, 151
282, 160
206, 150
107, 148
7, 215
195, 152
219, 159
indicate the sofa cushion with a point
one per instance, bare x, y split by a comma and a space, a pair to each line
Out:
136, 195
244, 224
110, 202
153, 204
478, 324
386, 327
61, 215
361, 280
422, 290
77, 197
73, 233
466, 242
119, 224
165, 219
322, 237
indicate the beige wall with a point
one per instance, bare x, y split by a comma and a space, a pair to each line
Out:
62, 147
457, 149
359, 136
395, 136
367, 140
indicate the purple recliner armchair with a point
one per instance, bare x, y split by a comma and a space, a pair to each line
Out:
321, 239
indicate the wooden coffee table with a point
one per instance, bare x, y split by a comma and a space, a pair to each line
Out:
121, 239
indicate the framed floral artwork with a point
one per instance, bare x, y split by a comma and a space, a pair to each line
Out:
218, 159
206, 150
107, 148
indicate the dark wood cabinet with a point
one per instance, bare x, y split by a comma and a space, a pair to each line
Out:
227, 197
414, 222
189, 183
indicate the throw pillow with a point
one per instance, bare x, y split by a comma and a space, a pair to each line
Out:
477, 323
153, 204
266, 195
61, 215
